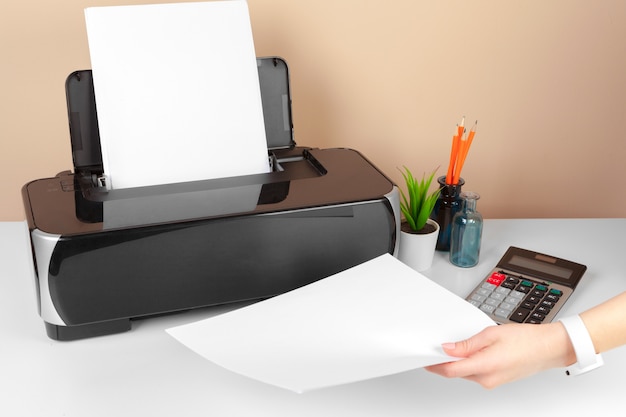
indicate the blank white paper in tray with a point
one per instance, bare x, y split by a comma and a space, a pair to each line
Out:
177, 92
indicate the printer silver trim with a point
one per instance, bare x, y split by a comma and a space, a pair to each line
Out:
44, 244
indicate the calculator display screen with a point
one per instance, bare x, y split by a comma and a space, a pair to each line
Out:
554, 270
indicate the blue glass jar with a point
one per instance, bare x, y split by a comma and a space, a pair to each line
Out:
447, 205
466, 232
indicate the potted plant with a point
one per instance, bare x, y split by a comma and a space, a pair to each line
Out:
418, 236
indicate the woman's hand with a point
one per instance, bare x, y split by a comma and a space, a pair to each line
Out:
501, 354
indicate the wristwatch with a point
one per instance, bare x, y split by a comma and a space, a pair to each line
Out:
586, 356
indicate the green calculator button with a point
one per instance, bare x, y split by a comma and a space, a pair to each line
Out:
556, 292
541, 287
526, 283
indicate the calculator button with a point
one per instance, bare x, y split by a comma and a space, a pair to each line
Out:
552, 298
500, 312
532, 299
503, 291
517, 294
487, 308
548, 304
528, 305
492, 302
498, 295
513, 300
474, 303
520, 315
541, 288
537, 293
556, 292
537, 316
496, 278
483, 291
512, 280
479, 298
507, 284
542, 310
508, 306
522, 288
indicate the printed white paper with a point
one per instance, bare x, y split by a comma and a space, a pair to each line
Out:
376, 319
177, 92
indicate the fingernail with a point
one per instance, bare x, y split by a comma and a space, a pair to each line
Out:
448, 346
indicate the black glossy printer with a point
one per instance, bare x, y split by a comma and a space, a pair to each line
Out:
104, 257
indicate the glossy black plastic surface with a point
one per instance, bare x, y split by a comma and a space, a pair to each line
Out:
64, 206
153, 270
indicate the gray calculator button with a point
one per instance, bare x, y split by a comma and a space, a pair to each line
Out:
487, 308
478, 297
507, 306
517, 294
502, 290
513, 300
492, 302
498, 296
474, 303
483, 291
500, 312
488, 286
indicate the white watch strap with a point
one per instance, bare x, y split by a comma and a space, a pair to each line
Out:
586, 356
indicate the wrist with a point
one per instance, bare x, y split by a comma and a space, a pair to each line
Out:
585, 356
562, 346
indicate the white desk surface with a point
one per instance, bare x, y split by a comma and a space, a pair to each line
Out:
145, 372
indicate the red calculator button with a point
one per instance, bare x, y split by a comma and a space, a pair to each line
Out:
496, 278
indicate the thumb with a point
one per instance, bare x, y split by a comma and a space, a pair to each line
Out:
462, 349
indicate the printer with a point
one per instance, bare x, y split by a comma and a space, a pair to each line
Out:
104, 257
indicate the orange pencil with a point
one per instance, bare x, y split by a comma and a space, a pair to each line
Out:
459, 165
453, 155
460, 129
454, 151
470, 137
463, 153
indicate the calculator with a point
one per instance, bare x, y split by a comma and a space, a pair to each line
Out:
526, 287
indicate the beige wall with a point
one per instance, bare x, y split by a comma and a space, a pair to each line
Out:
545, 78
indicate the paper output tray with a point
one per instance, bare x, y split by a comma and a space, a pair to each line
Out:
83, 118
172, 202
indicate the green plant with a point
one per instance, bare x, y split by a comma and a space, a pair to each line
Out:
417, 203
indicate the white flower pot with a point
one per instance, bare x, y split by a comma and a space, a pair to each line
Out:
418, 250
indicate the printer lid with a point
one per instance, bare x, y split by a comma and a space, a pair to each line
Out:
83, 119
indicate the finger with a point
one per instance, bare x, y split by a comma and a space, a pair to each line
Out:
463, 368
441, 369
467, 347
